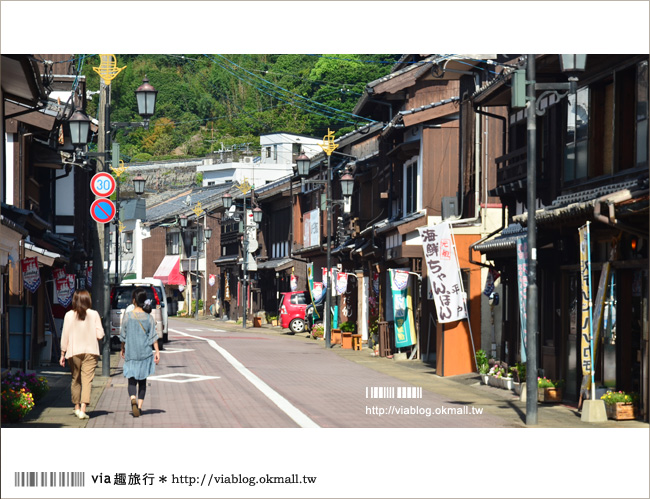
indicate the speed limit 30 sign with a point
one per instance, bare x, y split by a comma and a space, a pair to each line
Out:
102, 184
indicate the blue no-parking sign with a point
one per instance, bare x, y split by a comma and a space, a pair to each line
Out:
102, 210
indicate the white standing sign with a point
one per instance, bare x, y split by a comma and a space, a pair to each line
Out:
442, 265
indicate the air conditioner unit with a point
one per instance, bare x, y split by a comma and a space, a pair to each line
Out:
449, 207
248, 159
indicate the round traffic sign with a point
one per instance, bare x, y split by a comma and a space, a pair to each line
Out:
102, 210
102, 184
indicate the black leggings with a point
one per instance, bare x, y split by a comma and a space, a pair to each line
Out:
142, 387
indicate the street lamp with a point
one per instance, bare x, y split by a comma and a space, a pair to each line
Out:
207, 234
138, 185
79, 126
347, 186
568, 63
227, 200
146, 97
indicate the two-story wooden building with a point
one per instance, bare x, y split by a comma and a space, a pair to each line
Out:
592, 167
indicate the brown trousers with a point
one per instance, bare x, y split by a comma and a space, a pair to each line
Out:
83, 372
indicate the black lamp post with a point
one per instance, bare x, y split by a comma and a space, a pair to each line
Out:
347, 186
79, 125
226, 199
207, 234
569, 63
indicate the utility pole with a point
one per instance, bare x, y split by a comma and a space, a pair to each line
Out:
531, 292
101, 250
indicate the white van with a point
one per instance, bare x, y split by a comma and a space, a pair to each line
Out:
160, 289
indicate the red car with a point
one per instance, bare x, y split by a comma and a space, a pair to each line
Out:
292, 310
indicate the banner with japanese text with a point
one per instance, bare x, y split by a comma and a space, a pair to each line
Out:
212, 279
522, 287
402, 308
31, 274
294, 282
585, 323
443, 272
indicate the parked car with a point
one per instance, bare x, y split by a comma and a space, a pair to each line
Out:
121, 298
314, 314
160, 290
292, 310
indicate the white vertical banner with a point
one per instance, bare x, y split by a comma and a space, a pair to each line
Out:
443, 272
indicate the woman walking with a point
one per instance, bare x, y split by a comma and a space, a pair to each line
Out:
82, 327
138, 335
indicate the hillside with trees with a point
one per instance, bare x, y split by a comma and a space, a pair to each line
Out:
206, 102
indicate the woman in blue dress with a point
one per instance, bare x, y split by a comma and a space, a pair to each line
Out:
138, 335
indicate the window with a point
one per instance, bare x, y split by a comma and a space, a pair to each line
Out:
275, 152
173, 243
607, 125
575, 158
642, 115
268, 152
411, 187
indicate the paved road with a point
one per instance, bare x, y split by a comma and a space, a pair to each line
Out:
212, 378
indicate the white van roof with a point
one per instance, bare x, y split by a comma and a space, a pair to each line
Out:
144, 280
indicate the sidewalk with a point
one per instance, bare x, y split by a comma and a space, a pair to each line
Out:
55, 409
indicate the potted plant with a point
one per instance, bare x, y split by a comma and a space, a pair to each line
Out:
347, 330
519, 377
620, 405
373, 331
549, 390
272, 319
16, 404
318, 331
482, 365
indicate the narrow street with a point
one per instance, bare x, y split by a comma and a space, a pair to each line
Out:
212, 378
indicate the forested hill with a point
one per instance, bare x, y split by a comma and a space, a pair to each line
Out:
206, 102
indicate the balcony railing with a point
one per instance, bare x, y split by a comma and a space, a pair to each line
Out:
512, 166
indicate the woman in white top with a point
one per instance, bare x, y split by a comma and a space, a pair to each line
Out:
82, 328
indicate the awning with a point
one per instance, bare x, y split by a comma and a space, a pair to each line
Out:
168, 271
44, 256
226, 260
276, 264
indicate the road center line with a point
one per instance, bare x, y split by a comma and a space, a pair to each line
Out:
283, 404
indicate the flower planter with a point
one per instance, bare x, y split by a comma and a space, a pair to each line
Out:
336, 337
494, 381
620, 411
485, 379
507, 383
518, 387
549, 395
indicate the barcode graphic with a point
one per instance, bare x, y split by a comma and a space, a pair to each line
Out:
49, 479
391, 392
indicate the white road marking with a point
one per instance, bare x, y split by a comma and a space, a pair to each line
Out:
192, 377
176, 350
283, 404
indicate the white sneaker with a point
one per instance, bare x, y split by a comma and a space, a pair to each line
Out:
83, 415
76, 412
